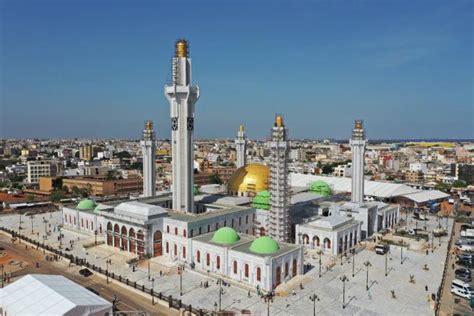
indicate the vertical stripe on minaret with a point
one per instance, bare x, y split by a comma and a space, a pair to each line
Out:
241, 147
279, 222
182, 96
148, 145
358, 143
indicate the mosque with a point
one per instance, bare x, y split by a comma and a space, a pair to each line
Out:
254, 233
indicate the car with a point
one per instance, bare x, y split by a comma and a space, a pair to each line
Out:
462, 270
462, 289
85, 272
93, 290
464, 277
465, 256
466, 264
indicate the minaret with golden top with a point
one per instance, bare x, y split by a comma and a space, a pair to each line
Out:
358, 143
182, 96
241, 147
148, 145
279, 221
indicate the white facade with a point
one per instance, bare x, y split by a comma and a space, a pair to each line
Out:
358, 144
279, 221
241, 148
419, 167
37, 169
333, 234
148, 145
182, 96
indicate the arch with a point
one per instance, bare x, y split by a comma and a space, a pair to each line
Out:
184, 252
124, 238
132, 242
218, 262
350, 240
184, 232
259, 274
116, 236
246, 270
168, 228
175, 250
246, 219
305, 239
315, 241
167, 247
278, 276
74, 218
217, 225
176, 231
109, 234
340, 245
208, 259
327, 243
198, 256
140, 242
286, 269
235, 266
294, 267
157, 242
225, 223
262, 231
100, 229
191, 233
345, 242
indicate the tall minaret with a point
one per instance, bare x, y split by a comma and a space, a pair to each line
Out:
279, 223
182, 96
358, 143
148, 145
241, 147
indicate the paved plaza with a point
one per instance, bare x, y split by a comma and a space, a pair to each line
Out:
407, 298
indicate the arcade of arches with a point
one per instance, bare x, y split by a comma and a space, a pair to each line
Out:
132, 240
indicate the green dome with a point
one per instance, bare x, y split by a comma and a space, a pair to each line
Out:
320, 187
225, 235
262, 200
86, 205
264, 245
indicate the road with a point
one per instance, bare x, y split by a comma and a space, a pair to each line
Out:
128, 299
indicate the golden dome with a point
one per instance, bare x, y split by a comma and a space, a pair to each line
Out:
252, 178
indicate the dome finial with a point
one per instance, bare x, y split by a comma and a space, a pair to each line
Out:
181, 49
241, 128
278, 120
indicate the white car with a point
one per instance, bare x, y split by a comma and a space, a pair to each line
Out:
462, 292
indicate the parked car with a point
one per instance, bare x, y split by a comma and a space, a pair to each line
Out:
466, 256
464, 277
465, 263
382, 249
464, 241
462, 270
85, 272
469, 248
462, 289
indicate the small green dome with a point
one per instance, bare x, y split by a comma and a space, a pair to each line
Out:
262, 200
86, 204
264, 245
320, 187
225, 235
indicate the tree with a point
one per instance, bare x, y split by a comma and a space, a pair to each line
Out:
136, 165
459, 184
123, 154
443, 187
328, 169
58, 183
75, 191
57, 195
215, 179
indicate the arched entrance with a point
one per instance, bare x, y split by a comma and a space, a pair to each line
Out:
140, 243
315, 241
294, 267
305, 239
132, 243
124, 239
278, 276
109, 233
116, 236
262, 231
157, 238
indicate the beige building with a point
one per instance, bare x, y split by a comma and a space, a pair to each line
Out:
40, 168
99, 187
86, 152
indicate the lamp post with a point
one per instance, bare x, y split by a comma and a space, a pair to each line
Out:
344, 279
221, 291
45, 222
107, 262
386, 257
149, 277
320, 252
152, 291
314, 298
367, 264
180, 272
268, 298
32, 217
401, 254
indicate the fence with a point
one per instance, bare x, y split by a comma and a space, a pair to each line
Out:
172, 302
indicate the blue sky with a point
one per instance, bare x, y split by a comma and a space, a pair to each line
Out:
97, 68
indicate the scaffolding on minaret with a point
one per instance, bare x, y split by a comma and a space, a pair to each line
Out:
279, 221
148, 145
358, 144
241, 148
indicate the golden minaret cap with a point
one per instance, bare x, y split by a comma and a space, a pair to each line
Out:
242, 128
358, 124
149, 125
278, 121
181, 48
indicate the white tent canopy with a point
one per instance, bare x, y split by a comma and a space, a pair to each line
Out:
40, 294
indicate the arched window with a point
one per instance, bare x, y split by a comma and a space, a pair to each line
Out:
217, 226
200, 231
184, 232
175, 249
246, 219
235, 267
218, 262
259, 274
87, 224
167, 247
225, 223
208, 259
208, 228
232, 223
191, 233
100, 228
240, 221
184, 252
198, 256
246, 270
167, 228
294, 267
176, 231
286, 269
262, 231
65, 218
92, 225
74, 220
82, 222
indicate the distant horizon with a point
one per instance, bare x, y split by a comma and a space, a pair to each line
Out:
80, 69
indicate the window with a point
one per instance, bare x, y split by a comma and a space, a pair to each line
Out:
200, 232
254, 217
208, 260
246, 231
176, 231
225, 223
246, 219
246, 270
235, 267
184, 232
191, 232
217, 226
87, 224
167, 248
167, 228
100, 228
82, 222
259, 274
175, 250
240, 221
232, 223
218, 262
184, 252
286, 268
208, 228
65, 218
92, 226
198, 256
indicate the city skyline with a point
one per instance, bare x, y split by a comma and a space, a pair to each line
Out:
403, 72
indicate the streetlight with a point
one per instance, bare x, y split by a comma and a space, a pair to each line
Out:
95, 235
268, 298
107, 262
344, 279
180, 272
32, 217
221, 291
401, 254
386, 257
320, 252
353, 260
367, 264
152, 291
314, 298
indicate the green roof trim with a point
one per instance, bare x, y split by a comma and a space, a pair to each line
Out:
320, 187
225, 235
86, 205
262, 200
264, 245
